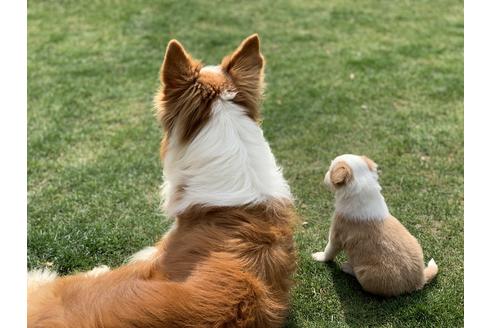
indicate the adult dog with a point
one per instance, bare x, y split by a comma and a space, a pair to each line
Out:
228, 260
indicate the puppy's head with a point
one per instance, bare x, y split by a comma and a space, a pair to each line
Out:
351, 173
188, 89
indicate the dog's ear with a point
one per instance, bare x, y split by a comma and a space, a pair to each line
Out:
340, 174
178, 68
370, 163
246, 61
245, 67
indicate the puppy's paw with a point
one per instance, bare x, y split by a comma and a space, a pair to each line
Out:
319, 256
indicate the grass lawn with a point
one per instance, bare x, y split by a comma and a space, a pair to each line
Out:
381, 78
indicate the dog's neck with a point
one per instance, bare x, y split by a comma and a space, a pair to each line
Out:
229, 163
366, 204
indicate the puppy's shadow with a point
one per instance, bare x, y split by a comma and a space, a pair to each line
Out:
362, 309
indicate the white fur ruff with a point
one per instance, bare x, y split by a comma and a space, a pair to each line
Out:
228, 163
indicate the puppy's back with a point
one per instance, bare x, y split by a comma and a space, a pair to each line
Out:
386, 259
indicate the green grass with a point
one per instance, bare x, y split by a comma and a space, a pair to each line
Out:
381, 78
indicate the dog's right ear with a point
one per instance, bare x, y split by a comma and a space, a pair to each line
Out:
245, 67
341, 174
178, 69
247, 61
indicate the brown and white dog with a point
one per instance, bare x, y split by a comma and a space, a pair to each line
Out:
229, 258
384, 257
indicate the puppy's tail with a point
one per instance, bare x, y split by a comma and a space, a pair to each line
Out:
431, 271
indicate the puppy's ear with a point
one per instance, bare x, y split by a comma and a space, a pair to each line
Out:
370, 163
341, 174
245, 67
178, 68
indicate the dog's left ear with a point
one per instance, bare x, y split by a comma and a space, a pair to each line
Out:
340, 174
245, 67
178, 69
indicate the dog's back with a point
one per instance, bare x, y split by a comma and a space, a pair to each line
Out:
228, 268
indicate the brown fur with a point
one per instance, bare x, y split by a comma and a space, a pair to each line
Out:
219, 266
386, 259
180, 94
245, 67
341, 174
186, 93
164, 147
370, 163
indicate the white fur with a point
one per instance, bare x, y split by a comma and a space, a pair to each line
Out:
360, 198
212, 69
432, 263
228, 163
143, 255
319, 256
328, 254
38, 277
97, 271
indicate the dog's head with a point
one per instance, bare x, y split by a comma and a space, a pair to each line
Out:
351, 174
188, 89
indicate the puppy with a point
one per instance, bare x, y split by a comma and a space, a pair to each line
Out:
229, 258
384, 257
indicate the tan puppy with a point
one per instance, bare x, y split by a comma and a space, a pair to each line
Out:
384, 257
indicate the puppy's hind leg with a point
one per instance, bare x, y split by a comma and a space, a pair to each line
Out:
347, 268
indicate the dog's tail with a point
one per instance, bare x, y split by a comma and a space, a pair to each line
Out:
219, 293
430, 271
39, 277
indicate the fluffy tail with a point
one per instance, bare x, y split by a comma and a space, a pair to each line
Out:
39, 277
218, 293
431, 271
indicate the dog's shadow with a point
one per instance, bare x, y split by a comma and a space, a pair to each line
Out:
362, 309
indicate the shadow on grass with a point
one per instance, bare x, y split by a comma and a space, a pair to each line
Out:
362, 309
291, 321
